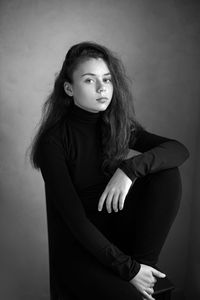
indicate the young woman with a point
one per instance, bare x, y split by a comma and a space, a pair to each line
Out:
108, 213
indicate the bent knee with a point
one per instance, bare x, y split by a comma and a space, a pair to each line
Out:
166, 186
168, 181
171, 176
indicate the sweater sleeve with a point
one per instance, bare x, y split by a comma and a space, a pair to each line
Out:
56, 175
156, 153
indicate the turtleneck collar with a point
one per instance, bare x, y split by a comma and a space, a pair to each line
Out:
83, 116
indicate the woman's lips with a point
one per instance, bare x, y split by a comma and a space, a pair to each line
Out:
102, 99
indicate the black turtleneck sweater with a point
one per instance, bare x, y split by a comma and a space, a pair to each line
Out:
71, 169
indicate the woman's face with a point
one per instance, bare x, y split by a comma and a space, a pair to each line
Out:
92, 87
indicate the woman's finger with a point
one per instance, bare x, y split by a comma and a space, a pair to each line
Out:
150, 290
102, 200
154, 279
115, 201
152, 282
147, 296
108, 201
121, 201
158, 273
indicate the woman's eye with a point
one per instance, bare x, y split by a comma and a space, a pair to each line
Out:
107, 80
88, 80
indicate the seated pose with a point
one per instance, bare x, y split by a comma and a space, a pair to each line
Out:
108, 213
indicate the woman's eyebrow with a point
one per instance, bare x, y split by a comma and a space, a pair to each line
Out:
92, 74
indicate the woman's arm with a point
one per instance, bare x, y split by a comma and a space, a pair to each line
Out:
56, 175
157, 153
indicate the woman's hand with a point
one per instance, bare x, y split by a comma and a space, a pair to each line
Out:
115, 192
145, 280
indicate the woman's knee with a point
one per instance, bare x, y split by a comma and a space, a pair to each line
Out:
164, 185
169, 179
171, 174
163, 189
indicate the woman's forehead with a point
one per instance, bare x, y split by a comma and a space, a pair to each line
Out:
95, 66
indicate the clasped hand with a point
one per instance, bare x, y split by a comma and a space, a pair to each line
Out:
115, 192
145, 280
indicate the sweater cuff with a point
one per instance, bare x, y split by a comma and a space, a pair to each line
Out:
124, 265
136, 270
127, 170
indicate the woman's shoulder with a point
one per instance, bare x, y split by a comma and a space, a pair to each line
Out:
56, 134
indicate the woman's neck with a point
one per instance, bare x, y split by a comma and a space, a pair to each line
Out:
83, 116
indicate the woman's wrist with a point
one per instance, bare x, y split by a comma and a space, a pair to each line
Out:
136, 270
131, 176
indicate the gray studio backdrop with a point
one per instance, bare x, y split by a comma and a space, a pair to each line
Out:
159, 44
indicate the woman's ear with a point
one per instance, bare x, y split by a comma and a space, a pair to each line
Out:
68, 88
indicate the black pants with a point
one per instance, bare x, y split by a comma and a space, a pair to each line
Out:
140, 229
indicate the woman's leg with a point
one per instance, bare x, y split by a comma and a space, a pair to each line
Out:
76, 274
151, 206
83, 277
140, 229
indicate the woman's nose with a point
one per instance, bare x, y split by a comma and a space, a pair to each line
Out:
101, 88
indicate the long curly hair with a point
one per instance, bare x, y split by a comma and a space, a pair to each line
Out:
118, 120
